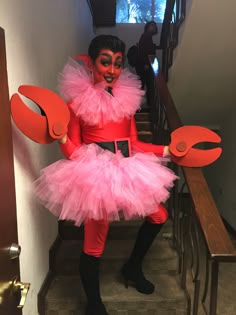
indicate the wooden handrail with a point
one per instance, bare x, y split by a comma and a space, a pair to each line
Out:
217, 239
172, 115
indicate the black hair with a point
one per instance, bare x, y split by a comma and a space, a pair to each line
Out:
146, 27
110, 42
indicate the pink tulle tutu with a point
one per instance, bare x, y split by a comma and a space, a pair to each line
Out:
98, 184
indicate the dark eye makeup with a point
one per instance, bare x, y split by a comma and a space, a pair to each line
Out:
107, 61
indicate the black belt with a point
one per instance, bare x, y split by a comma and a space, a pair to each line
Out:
122, 145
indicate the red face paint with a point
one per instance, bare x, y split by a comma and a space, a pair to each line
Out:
107, 67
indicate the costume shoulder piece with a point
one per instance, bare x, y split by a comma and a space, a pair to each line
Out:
92, 102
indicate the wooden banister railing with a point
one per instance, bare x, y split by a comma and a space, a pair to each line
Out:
173, 19
197, 230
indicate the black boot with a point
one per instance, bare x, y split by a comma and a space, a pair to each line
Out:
89, 274
132, 270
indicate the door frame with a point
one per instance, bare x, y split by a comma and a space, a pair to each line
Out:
9, 268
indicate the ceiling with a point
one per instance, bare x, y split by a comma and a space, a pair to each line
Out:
103, 12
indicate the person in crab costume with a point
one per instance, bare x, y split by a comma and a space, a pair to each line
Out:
108, 173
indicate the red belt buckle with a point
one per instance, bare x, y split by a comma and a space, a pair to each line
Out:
122, 140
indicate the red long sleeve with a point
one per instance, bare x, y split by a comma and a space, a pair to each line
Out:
73, 137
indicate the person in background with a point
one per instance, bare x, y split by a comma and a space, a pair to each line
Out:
146, 47
108, 173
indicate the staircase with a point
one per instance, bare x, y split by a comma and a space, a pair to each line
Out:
65, 296
143, 124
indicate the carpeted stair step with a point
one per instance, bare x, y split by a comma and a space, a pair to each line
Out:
145, 136
66, 296
128, 229
142, 117
118, 230
143, 126
161, 258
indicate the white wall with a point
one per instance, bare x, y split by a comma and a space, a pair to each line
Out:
224, 176
202, 78
40, 35
202, 83
221, 174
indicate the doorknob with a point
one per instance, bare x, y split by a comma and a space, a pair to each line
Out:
13, 287
12, 251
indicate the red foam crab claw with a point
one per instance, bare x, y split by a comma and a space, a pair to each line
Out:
181, 147
41, 129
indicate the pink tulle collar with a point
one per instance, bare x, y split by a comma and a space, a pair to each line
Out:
92, 102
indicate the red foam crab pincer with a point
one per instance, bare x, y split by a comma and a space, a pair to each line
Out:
37, 127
